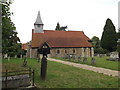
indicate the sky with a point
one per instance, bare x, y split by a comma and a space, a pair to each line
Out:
78, 15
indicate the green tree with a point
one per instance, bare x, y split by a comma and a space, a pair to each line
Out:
109, 37
97, 48
118, 47
95, 42
10, 42
118, 42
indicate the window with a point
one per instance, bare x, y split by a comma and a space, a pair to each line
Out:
65, 51
73, 50
84, 49
58, 51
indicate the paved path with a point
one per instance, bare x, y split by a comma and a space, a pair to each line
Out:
87, 67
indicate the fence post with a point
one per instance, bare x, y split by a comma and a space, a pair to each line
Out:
6, 78
33, 78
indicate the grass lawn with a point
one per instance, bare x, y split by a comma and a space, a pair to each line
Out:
64, 76
100, 62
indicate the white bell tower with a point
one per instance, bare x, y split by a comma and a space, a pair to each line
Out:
38, 25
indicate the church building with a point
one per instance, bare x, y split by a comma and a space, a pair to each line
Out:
61, 43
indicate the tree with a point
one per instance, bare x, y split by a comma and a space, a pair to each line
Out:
109, 36
95, 42
118, 42
97, 48
60, 28
118, 48
10, 42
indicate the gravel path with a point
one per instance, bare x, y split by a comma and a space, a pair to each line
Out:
87, 67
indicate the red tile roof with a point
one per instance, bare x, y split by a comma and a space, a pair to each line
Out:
60, 39
25, 46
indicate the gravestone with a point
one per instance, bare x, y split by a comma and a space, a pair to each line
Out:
68, 57
93, 61
84, 59
21, 56
74, 58
8, 58
114, 55
5, 56
79, 58
15, 56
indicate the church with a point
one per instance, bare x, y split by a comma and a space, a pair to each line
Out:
61, 43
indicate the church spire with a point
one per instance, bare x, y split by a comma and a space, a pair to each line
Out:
38, 24
38, 20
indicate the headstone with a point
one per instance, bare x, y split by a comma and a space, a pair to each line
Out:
69, 57
79, 58
114, 55
74, 58
100, 55
8, 58
21, 56
15, 56
84, 59
93, 61
66, 57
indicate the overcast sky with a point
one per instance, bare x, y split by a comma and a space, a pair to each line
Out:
79, 15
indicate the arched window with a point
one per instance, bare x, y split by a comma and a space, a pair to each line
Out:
65, 51
58, 51
73, 50
84, 49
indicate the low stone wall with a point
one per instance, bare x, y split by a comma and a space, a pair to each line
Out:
16, 81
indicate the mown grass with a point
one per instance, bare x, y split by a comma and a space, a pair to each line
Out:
64, 76
100, 62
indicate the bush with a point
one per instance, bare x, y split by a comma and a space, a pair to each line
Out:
101, 51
